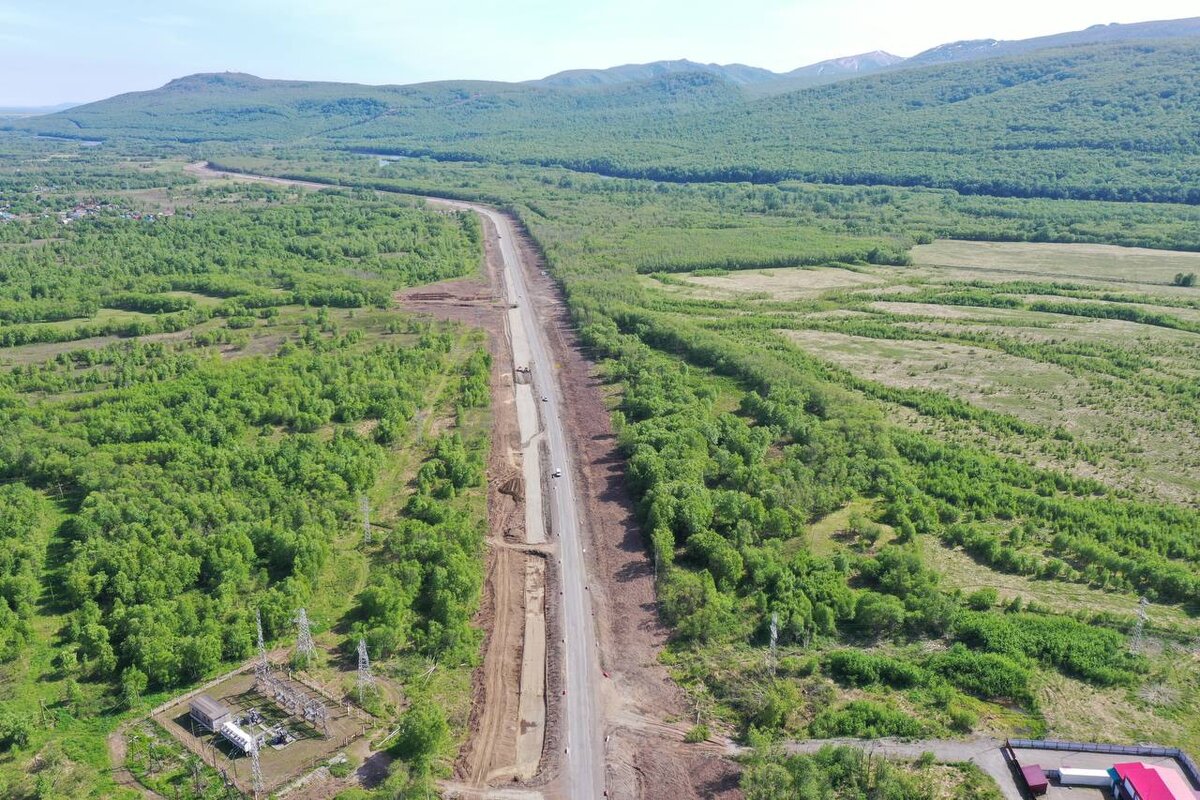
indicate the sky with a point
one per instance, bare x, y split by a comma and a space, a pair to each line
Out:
75, 50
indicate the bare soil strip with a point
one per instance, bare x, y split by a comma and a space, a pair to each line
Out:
646, 756
531, 733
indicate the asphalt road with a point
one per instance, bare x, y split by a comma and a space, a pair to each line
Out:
584, 743
584, 757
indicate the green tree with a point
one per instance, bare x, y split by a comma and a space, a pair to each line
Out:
878, 614
423, 733
982, 599
767, 781
133, 684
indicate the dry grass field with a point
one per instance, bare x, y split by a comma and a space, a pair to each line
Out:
1088, 361
1090, 262
999, 352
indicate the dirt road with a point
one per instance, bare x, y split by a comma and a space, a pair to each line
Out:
583, 740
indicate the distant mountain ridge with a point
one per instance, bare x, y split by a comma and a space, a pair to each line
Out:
974, 49
875, 61
849, 65
1058, 117
29, 111
739, 74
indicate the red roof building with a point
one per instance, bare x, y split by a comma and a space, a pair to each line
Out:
1138, 781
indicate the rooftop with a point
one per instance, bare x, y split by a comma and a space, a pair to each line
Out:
208, 707
1155, 783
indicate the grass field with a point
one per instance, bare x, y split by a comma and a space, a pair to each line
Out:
1091, 262
907, 328
1022, 331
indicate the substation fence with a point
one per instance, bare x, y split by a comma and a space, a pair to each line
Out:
1149, 750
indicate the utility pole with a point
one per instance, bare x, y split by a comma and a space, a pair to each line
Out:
364, 508
1135, 645
263, 668
774, 641
366, 681
256, 773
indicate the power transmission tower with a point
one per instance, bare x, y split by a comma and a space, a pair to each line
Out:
256, 773
305, 647
366, 681
263, 668
774, 641
364, 507
1135, 645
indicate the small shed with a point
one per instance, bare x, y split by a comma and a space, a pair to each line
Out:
209, 713
1035, 779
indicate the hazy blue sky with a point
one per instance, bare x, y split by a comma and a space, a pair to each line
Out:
75, 50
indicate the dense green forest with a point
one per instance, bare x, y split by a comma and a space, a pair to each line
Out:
197, 386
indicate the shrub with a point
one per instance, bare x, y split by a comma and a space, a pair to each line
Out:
987, 675
795, 667
14, 731
982, 599
864, 719
856, 668
962, 720
1097, 655
878, 614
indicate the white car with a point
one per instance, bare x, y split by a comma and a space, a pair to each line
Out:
558, 473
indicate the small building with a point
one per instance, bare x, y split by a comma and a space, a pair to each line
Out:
209, 713
1035, 779
1138, 781
1074, 776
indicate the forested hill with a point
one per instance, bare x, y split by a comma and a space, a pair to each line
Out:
234, 107
1109, 121
1097, 122
974, 49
